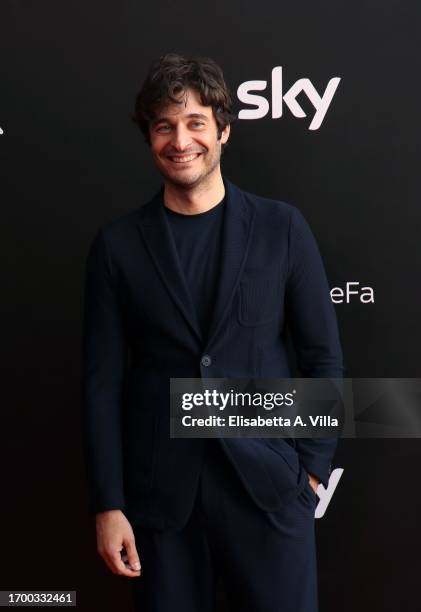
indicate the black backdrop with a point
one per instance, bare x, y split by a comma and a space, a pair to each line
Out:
72, 160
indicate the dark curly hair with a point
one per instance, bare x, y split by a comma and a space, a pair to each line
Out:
172, 75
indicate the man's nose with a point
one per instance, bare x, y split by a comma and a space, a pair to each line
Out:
180, 138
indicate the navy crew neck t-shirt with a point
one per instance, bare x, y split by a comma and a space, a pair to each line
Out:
198, 242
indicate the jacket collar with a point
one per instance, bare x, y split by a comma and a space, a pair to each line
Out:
237, 226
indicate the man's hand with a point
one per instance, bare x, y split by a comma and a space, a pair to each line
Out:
314, 482
113, 533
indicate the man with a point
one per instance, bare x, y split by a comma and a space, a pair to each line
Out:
202, 281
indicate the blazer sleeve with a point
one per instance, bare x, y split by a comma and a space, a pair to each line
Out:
312, 321
105, 357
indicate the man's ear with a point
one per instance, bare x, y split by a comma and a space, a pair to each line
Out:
225, 134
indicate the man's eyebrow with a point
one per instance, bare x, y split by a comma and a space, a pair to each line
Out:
189, 116
198, 116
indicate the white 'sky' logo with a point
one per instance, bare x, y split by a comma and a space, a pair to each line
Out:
325, 495
278, 97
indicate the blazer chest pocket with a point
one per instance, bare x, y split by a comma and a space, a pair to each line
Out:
260, 297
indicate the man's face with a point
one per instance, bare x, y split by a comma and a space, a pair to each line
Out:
184, 141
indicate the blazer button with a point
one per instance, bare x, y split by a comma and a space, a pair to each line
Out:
206, 360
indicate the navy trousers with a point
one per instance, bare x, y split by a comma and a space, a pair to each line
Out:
266, 562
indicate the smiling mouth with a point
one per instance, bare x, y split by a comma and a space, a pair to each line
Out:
183, 159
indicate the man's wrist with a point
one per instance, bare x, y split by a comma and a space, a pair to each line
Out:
108, 512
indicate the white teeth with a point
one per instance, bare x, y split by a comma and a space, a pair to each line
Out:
186, 158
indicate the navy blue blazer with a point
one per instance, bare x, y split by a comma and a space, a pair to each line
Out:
140, 329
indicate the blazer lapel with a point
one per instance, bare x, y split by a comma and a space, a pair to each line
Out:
237, 230
156, 232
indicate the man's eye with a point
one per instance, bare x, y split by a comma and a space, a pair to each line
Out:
197, 123
163, 128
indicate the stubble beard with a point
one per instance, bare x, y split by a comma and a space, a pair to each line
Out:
194, 179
